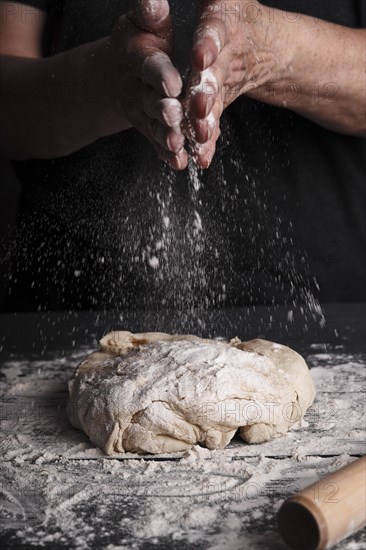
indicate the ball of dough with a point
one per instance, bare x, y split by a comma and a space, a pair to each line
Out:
162, 393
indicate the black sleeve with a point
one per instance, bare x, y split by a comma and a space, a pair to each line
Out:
44, 5
362, 12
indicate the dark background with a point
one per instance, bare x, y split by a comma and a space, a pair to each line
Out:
9, 200
314, 176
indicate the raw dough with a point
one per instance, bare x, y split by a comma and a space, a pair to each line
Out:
158, 393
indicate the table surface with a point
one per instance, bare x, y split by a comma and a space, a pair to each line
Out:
58, 491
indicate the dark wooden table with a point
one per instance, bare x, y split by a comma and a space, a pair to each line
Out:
58, 491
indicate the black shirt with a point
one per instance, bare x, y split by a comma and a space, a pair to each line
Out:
282, 205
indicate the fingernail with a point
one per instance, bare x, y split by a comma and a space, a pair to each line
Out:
207, 59
165, 88
203, 132
208, 129
179, 163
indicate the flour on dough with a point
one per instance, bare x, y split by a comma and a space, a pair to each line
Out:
161, 393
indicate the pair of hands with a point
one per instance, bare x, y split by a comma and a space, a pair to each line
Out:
150, 88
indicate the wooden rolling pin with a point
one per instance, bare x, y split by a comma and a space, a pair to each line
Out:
326, 512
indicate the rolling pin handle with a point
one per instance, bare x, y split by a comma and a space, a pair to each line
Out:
326, 512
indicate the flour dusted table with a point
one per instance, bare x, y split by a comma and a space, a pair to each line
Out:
58, 491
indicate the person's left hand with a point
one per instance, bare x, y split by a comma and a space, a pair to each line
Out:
229, 58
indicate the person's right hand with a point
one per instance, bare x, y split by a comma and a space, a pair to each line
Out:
142, 83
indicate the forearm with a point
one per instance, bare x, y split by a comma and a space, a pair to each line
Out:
317, 69
54, 106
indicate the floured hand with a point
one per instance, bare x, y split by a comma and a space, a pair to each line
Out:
144, 79
229, 58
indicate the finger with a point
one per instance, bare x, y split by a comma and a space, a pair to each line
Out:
170, 139
201, 104
166, 110
204, 89
209, 40
151, 15
203, 129
158, 72
203, 154
177, 161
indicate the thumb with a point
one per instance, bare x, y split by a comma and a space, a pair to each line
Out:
151, 16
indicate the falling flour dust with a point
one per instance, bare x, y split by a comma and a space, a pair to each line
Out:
150, 238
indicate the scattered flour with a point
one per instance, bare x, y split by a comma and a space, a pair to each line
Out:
59, 491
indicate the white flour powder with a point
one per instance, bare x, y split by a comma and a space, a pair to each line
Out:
59, 491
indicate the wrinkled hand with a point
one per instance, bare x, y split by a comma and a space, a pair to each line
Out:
229, 58
139, 69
